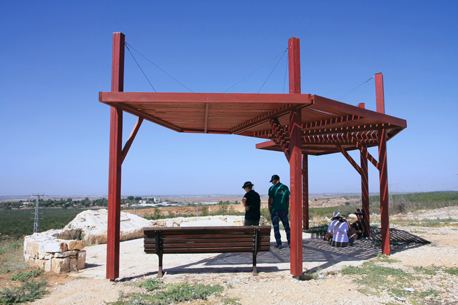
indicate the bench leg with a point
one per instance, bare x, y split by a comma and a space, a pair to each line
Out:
159, 273
255, 271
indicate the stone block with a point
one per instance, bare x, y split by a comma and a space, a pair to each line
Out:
52, 247
60, 265
81, 259
66, 254
76, 245
48, 265
73, 264
39, 263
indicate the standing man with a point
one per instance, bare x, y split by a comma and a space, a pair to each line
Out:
252, 203
278, 207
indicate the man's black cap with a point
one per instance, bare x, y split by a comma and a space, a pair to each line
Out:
274, 177
247, 184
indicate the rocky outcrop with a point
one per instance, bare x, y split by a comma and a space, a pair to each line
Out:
94, 223
63, 250
55, 250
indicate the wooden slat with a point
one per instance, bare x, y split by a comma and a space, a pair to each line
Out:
199, 240
222, 243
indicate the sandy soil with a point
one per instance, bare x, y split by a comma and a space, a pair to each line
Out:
278, 287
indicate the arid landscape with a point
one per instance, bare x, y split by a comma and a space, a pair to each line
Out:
415, 273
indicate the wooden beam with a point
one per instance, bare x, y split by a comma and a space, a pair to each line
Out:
206, 118
149, 117
365, 190
280, 135
112, 98
363, 149
263, 118
132, 136
358, 128
324, 104
331, 121
295, 162
305, 192
350, 159
115, 163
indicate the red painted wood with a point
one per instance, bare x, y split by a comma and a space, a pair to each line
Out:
263, 118
365, 189
295, 130
383, 169
384, 204
363, 149
281, 137
379, 93
331, 105
305, 192
349, 158
213, 98
132, 136
114, 180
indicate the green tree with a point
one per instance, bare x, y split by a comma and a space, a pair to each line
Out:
131, 198
205, 211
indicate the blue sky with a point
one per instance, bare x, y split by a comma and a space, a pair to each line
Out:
56, 57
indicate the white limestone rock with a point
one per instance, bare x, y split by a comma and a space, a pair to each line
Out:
94, 223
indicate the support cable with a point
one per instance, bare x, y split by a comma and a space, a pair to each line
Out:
339, 98
140, 68
284, 79
282, 53
272, 71
129, 45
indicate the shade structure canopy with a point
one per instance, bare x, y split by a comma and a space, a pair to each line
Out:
325, 122
296, 124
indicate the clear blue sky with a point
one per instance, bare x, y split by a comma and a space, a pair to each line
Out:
56, 57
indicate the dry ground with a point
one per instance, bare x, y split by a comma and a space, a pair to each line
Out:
280, 288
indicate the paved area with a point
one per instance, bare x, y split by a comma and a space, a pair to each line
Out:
134, 263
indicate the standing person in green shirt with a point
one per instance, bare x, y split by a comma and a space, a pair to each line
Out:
278, 207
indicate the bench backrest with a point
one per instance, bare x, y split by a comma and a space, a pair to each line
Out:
206, 239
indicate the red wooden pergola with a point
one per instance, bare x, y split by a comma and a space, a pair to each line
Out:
296, 124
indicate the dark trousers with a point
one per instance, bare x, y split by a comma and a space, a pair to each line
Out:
276, 216
249, 222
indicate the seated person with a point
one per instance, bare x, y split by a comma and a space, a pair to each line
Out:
359, 226
332, 226
340, 237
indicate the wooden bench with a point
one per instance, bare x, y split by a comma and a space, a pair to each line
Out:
163, 240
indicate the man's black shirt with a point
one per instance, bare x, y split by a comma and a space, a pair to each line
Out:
253, 201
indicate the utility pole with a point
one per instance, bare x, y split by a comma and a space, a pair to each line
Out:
37, 218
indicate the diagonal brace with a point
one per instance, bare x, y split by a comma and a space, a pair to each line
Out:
365, 153
350, 159
280, 135
129, 142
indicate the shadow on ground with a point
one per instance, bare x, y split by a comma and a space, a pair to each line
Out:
317, 254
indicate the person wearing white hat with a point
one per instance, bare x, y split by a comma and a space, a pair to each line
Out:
332, 226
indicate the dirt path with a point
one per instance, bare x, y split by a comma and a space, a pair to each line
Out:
278, 287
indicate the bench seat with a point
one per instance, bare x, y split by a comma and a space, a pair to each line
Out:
165, 240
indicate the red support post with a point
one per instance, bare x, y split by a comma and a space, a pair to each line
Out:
115, 165
295, 149
365, 190
305, 192
379, 93
383, 169
365, 181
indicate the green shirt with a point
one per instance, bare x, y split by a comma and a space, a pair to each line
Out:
279, 194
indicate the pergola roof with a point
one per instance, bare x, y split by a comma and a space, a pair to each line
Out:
327, 125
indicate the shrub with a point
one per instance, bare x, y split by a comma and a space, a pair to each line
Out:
27, 292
